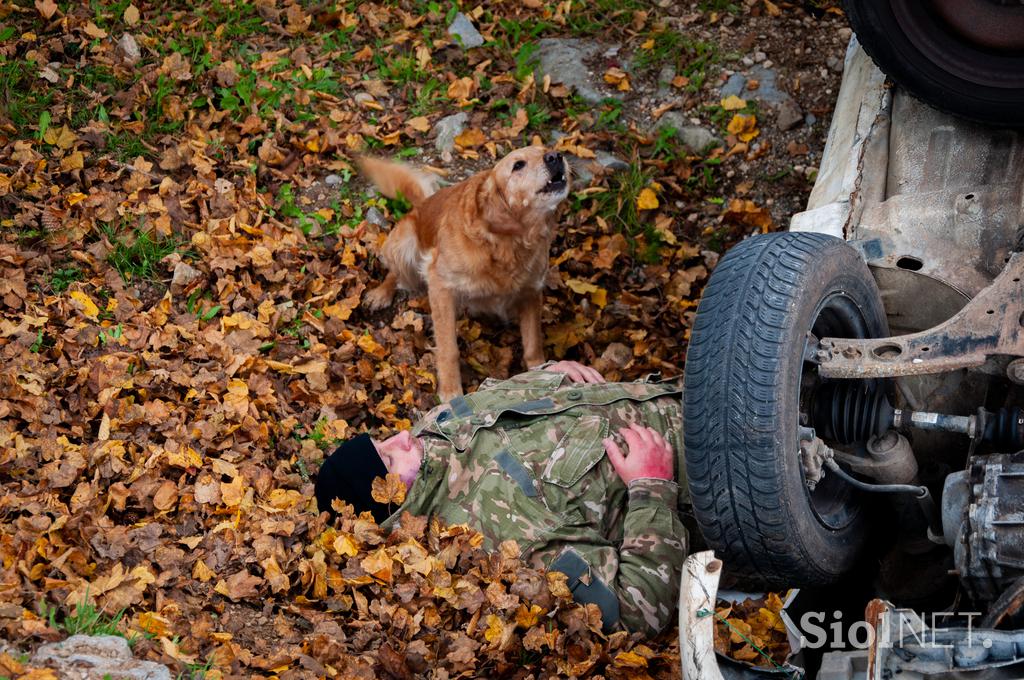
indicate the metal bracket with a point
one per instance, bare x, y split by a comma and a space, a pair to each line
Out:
991, 323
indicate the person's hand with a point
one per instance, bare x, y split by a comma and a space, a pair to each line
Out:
649, 455
577, 372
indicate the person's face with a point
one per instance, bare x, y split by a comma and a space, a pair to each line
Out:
402, 455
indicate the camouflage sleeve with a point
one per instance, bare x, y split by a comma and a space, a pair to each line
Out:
536, 377
651, 556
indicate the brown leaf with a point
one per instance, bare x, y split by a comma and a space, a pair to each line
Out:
47, 8
390, 490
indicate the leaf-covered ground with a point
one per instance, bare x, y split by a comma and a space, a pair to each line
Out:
184, 249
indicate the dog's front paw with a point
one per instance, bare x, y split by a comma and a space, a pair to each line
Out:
447, 395
379, 298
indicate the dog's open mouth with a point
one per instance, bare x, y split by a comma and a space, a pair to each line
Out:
556, 184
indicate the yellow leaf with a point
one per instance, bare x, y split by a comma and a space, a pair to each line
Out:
744, 126
617, 77
581, 287
202, 572
599, 297
733, 103
390, 490
371, 346
772, 8
73, 161
461, 89
495, 628
471, 138
131, 15
629, 660
345, 544
153, 624
647, 200
75, 197
557, 584
85, 304
528, 618
378, 564
94, 31
647, 44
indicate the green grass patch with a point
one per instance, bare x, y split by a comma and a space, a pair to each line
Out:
138, 255
21, 101
84, 619
618, 207
60, 279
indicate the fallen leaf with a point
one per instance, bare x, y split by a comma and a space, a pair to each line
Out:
647, 199
390, 490
733, 103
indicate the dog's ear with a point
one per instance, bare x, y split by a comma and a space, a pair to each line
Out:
495, 210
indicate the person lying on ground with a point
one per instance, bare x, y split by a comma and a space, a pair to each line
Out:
583, 474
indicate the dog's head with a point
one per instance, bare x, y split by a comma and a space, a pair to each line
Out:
532, 179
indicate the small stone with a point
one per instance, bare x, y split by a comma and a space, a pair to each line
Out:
810, 119
463, 30
375, 216
97, 656
790, 115
333, 180
759, 57
184, 274
835, 64
747, 61
447, 129
129, 49
768, 63
844, 34
694, 137
665, 77
611, 161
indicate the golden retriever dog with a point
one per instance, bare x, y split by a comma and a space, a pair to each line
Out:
479, 246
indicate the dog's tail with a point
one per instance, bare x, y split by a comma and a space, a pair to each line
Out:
397, 179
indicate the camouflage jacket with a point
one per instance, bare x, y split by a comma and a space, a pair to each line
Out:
522, 459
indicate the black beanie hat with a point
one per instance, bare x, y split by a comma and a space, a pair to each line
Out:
348, 474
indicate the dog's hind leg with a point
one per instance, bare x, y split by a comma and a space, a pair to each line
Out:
381, 296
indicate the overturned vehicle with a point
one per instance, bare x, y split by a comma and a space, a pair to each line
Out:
854, 387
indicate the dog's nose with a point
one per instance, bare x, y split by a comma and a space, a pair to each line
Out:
553, 159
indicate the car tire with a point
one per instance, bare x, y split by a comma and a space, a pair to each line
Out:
745, 376
965, 57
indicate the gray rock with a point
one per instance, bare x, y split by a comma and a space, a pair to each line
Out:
375, 216
665, 77
564, 59
333, 180
790, 115
580, 170
767, 91
463, 30
129, 49
91, 657
695, 137
447, 129
184, 274
611, 161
